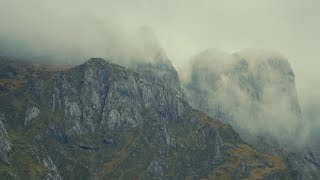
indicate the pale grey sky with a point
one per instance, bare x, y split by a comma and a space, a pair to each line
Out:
184, 27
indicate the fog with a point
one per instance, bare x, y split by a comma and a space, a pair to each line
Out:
76, 30
253, 90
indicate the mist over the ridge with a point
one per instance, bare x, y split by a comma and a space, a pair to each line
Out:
74, 31
253, 90
70, 31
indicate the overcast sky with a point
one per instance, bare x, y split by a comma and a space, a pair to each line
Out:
184, 27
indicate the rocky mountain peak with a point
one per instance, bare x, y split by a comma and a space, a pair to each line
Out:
154, 63
100, 120
96, 61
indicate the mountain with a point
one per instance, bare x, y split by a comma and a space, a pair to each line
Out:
100, 120
257, 90
254, 91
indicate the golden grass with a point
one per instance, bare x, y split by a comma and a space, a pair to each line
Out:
211, 121
259, 164
12, 84
118, 158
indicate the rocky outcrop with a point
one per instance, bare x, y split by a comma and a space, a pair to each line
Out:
242, 170
154, 64
102, 95
5, 144
162, 72
31, 114
157, 169
306, 164
53, 173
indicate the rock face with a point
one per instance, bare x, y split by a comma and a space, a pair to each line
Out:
254, 91
102, 121
111, 97
5, 144
306, 164
153, 63
162, 72
31, 114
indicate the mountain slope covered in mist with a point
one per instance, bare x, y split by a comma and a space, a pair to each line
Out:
255, 92
256, 89
101, 120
